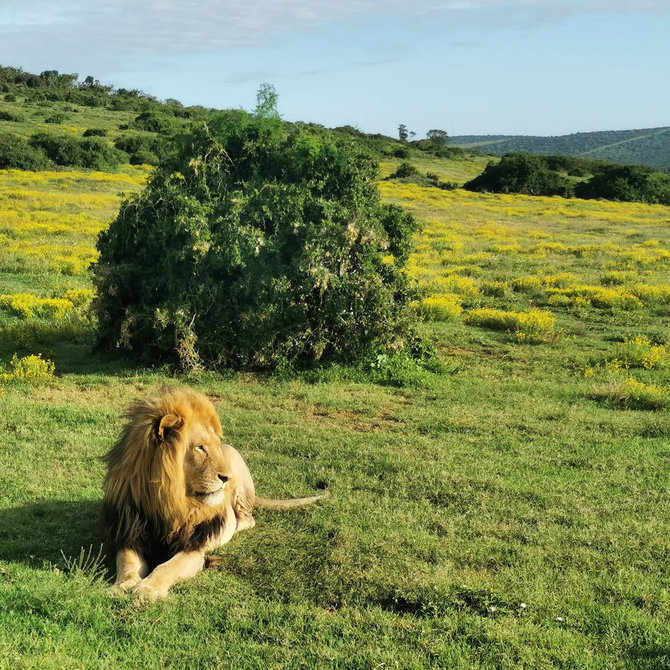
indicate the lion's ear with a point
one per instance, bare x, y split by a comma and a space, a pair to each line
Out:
167, 424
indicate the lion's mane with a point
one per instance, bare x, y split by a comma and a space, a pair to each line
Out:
145, 503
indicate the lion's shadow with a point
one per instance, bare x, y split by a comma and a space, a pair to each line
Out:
46, 531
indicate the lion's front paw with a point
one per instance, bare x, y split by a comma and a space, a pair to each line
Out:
148, 591
123, 586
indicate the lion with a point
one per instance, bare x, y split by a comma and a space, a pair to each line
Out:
173, 492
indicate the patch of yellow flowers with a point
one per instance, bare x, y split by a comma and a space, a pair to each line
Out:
652, 294
439, 307
27, 369
575, 253
620, 387
67, 259
639, 352
28, 305
533, 326
633, 393
49, 219
598, 296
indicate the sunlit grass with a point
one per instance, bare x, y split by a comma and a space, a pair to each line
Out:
455, 171
76, 118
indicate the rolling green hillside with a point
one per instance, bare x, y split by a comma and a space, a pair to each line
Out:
650, 146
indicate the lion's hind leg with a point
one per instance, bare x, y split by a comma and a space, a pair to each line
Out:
243, 514
131, 568
245, 522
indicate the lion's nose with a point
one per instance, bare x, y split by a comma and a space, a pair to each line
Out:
223, 478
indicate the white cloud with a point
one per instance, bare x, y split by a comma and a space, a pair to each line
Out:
176, 26
170, 28
109, 37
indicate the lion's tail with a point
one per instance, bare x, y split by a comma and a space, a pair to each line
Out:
269, 503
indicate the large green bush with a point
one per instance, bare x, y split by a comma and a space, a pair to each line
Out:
547, 175
155, 122
142, 147
16, 153
628, 183
88, 152
254, 245
520, 173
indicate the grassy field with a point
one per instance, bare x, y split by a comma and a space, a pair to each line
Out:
32, 116
509, 511
455, 171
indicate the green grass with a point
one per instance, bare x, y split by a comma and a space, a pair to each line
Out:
456, 171
76, 118
498, 514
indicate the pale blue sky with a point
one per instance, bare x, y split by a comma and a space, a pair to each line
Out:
544, 67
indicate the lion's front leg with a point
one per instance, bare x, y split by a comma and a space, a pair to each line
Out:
130, 569
181, 566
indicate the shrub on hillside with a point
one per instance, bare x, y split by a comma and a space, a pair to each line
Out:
405, 169
95, 132
89, 152
627, 183
17, 154
142, 148
439, 150
143, 157
59, 149
400, 152
520, 173
98, 155
408, 173
57, 118
256, 245
573, 165
155, 122
10, 116
132, 143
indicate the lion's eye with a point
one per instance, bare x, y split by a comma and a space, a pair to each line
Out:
201, 448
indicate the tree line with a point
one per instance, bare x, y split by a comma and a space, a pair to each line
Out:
569, 176
55, 86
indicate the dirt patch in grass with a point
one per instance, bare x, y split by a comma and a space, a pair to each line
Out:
348, 420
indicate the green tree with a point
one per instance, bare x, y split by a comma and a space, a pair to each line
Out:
266, 101
255, 244
403, 133
438, 137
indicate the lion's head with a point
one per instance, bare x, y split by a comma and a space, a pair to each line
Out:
169, 462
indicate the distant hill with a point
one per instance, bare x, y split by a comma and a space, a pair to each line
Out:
649, 146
